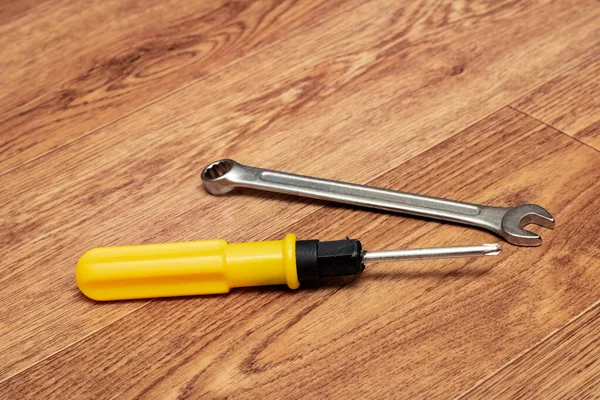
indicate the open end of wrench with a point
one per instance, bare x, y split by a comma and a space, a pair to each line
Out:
520, 216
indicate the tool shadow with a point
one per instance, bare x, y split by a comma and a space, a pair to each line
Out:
341, 283
347, 282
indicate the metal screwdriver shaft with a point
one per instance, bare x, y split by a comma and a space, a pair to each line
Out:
436, 252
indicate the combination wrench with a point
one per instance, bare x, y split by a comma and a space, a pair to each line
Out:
224, 175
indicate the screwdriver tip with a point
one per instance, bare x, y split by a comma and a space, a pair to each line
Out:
494, 249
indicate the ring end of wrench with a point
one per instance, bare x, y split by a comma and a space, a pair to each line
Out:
216, 176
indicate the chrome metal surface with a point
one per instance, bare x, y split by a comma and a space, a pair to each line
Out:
223, 176
435, 252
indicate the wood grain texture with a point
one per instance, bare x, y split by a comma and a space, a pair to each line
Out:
565, 365
387, 71
122, 56
426, 328
570, 102
380, 93
14, 9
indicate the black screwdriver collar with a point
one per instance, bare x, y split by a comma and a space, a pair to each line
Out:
316, 260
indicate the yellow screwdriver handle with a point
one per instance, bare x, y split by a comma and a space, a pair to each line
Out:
188, 268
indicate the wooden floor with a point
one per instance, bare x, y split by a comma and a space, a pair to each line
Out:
109, 110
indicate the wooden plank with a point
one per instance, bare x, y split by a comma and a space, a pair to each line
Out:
424, 328
591, 135
564, 366
570, 102
81, 67
364, 92
141, 52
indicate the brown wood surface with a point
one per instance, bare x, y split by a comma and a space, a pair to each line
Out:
570, 102
564, 365
85, 66
468, 100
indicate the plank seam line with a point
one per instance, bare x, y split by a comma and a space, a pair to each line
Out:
293, 34
586, 60
555, 128
527, 351
458, 132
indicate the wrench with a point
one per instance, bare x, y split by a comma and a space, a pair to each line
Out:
222, 176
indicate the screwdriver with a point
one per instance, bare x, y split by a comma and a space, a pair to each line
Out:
215, 266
